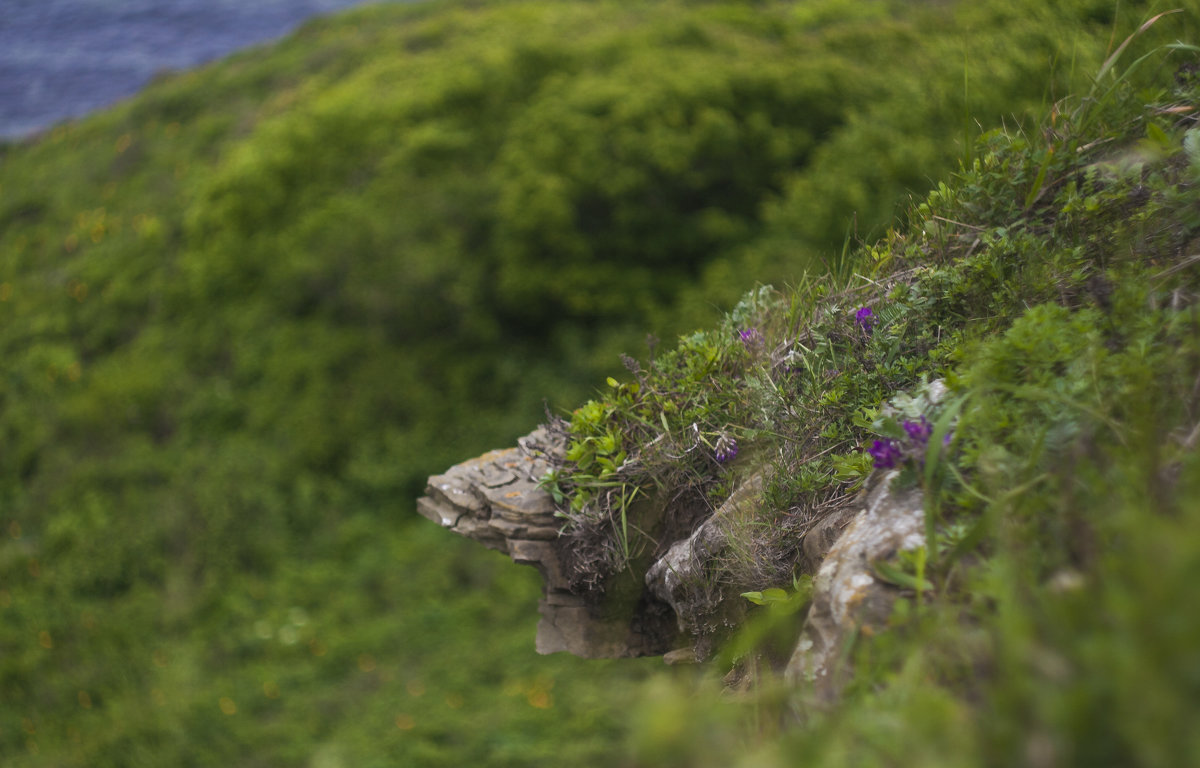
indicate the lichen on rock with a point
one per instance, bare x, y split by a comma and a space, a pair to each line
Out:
846, 594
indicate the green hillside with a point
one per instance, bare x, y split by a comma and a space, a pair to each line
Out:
245, 314
1052, 288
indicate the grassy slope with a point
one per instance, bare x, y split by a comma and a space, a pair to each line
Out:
228, 365
1053, 285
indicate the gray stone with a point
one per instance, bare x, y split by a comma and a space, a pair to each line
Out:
847, 598
495, 500
822, 536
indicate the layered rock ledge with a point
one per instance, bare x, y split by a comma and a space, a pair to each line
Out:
495, 499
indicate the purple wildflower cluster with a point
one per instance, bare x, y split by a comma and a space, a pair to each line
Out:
725, 449
886, 453
918, 431
889, 453
865, 319
751, 338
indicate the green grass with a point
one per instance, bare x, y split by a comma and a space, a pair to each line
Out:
1052, 286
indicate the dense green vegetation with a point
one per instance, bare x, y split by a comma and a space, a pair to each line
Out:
1053, 286
243, 315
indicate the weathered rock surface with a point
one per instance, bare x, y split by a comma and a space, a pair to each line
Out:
495, 500
683, 579
847, 598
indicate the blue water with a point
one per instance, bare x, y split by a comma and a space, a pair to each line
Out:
64, 58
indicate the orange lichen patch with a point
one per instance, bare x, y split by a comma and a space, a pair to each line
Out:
491, 457
857, 597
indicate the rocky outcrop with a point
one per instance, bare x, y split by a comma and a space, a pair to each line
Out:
847, 596
495, 500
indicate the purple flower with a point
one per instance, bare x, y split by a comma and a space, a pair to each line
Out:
751, 338
910, 448
865, 319
725, 449
886, 453
918, 431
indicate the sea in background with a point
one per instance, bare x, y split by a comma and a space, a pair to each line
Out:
61, 59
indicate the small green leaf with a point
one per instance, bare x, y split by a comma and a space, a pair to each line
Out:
1157, 135
888, 426
885, 571
767, 596
941, 428
606, 445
